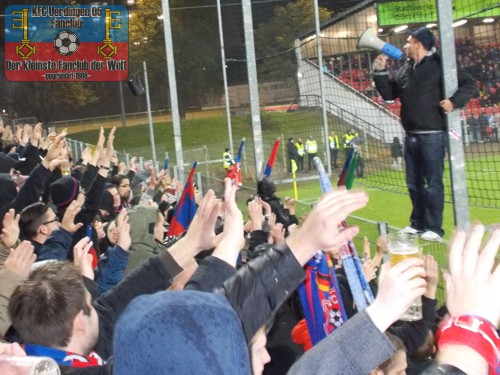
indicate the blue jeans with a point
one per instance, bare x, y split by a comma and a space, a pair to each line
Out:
424, 158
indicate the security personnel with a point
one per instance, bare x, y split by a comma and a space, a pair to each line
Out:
311, 151
334, 148
348, 141
227, 159
301, 152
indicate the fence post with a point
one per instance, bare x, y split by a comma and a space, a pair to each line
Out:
199, 182
258, 144
283, 155
455, 136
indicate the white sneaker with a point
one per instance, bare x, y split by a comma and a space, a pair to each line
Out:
410, 230
431, 236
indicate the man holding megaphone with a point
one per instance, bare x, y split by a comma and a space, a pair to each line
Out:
419, 86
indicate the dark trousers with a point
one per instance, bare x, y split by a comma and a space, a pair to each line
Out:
310, 163
334, 152
424, 158
360, 168
300, 162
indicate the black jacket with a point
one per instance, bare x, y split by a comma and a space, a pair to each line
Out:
420, 90
154, 275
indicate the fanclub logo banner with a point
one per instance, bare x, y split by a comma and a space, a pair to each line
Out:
66, 43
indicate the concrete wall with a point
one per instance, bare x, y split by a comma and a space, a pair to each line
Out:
349, 104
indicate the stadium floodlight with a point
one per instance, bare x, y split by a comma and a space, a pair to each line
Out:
380, 30
459, 23
489, 20
400, 28
431, 25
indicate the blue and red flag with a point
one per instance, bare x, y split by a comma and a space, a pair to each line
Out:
234, 171
186, 208
272, 158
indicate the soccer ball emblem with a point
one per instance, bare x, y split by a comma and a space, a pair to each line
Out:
66, 43
336, 318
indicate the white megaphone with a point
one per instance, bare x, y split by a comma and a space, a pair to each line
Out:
369, 40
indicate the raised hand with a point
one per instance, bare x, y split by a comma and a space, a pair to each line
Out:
321, 229
133, 164
122, 167
370, 269
10, 230
232, 239
278, 233
382, 249
432, 276
18, 134
254, 210
107, 155
68, 221
153, 183
367, 253
86, 155
98, 148
20, 259
201, 232
266, 206
54, 150
123, 228
82, 258
380, 62
473, 281
290, 205
36, 135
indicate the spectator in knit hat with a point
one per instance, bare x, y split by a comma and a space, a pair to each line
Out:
64, 191
67, 189
7, 163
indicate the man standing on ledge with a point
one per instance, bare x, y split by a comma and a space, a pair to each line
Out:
419, 85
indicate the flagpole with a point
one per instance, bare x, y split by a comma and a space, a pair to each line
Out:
295, 192
294, 176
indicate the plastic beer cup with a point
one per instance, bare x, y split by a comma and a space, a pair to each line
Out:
16, 365
401, 246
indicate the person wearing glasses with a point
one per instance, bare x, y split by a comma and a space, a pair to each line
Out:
51, 238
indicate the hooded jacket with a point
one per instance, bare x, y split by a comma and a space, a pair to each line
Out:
142, 221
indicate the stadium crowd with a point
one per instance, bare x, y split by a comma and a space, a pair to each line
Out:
482, 61
91, 278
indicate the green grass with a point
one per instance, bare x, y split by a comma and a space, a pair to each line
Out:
384, 205
388, 206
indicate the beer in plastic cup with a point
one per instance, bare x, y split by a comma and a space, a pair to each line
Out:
401, 246
17, 365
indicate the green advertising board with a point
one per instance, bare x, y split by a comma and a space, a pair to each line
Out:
423, 11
